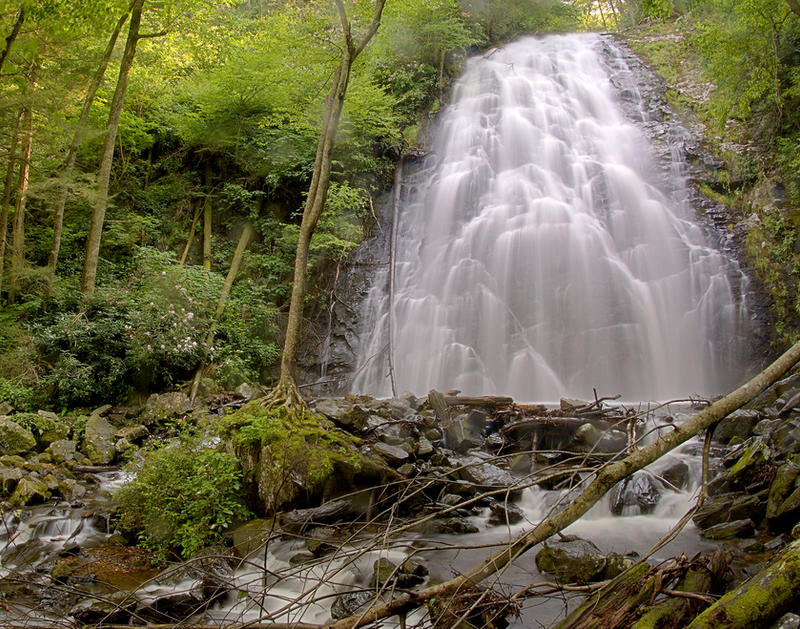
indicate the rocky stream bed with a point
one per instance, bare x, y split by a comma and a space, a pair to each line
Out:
441, 480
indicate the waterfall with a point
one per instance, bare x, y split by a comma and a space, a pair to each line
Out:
542, 250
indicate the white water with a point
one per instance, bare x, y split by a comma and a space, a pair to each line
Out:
543, 252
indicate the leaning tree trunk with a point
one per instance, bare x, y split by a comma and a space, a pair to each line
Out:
8, 186
12, 37
107, 158
18, 236
286, 391
207, 220
247, 235
603, 482
72, 154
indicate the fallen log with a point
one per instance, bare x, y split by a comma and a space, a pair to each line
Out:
760, 600
569, 423
606, 478
487, 401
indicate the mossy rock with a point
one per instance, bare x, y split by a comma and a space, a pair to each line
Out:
285, 458
572, 561
98, 440
14, 438
29, 491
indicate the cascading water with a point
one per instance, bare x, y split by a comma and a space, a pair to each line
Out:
543, 251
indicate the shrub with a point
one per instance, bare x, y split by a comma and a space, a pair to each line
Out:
182, 499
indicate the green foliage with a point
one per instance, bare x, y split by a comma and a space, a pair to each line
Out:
20, 396
309, 445
183, 498
772, 251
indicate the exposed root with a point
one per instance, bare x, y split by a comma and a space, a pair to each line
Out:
287, 394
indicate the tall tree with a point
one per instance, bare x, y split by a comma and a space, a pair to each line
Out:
286, 391
107, 156
12, 36
18, 234
72, 153
8, 187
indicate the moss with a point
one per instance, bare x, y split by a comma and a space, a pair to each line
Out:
275, 448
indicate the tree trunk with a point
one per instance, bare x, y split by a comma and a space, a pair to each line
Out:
107, 158
207, 216
190, 238
7, 190
760, 600
12, 37
286, 391
72, 154
603, 482
18, 237
244, 240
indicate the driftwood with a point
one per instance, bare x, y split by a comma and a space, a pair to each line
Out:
606, 478
95, 469
569, 423
486, 401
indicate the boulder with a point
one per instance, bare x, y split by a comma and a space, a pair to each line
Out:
785, 437
740, 424
29, 491
62, 451
248, 392
504, 512
14, 439
344, 412
132, 433
572, 560
676, 474
465, 432
9, 477
164, 406
781, 487
729, 530
393, 455
328, 513
251, 535
383, 571
485, 475
71, 490
98, 440
731, 507
636, 494
350, 603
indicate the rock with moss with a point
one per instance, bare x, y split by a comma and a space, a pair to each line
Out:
71, 490
572, 560
29, 491
9, 477
284, 458
98, 440
63, 451
15, 439
162, 407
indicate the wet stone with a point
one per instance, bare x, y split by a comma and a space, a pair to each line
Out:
391, 454
350, 604
639, 493
571, 561
503, 513
728, 530
424, 447
98, 440
383, 571
787, 621
29, 491
677, 474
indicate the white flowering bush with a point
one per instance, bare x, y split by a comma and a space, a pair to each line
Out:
151, 333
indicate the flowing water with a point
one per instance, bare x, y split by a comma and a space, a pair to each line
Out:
543, 251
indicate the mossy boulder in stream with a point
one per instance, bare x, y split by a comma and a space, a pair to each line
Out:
285, 458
